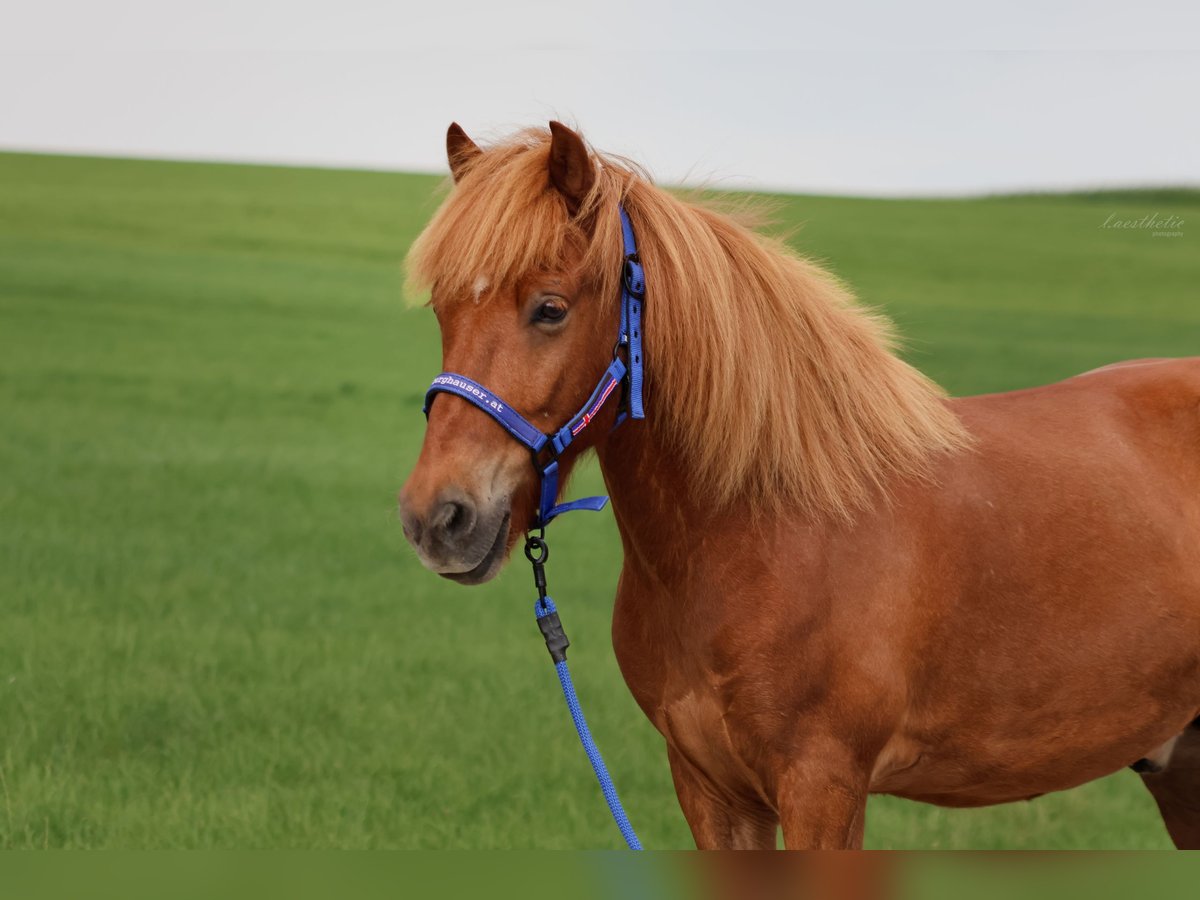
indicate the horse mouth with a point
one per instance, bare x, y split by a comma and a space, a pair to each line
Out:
483, 570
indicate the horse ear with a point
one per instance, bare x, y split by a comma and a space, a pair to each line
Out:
571, 170
460, 150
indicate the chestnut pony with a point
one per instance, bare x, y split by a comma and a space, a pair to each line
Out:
837, 581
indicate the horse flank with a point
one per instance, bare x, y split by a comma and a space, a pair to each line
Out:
766, 377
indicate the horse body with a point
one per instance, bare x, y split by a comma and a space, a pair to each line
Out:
1026, 621
836, 580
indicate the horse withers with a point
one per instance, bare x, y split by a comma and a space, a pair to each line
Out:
836, 580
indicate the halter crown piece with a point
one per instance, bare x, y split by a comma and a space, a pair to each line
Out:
626, 372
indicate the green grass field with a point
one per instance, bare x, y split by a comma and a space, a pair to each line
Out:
213, 632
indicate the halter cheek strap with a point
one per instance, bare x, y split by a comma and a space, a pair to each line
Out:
627, 372
633, 293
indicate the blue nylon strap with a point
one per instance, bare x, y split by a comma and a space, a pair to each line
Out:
633, 292
611, 378
474, 392
548, 511
549, 494
591, 504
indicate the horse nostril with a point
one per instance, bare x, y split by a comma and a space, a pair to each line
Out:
454, 519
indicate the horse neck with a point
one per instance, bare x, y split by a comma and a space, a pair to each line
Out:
660, 518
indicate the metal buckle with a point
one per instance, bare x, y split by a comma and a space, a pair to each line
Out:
634, 277
549, 454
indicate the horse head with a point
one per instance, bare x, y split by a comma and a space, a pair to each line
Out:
525, 308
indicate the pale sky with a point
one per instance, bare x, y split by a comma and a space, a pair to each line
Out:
893, 99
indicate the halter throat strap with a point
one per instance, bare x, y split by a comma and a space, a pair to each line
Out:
624, 370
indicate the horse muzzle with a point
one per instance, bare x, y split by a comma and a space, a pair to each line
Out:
456, 536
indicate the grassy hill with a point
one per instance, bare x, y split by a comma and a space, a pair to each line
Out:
213, 633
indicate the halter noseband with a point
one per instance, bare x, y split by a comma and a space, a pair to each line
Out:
626, 372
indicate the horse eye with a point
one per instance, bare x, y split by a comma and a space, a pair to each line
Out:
550, 311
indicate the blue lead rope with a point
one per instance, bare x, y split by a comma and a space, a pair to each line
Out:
544, 609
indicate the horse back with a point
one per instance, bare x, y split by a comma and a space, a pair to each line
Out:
1139, 413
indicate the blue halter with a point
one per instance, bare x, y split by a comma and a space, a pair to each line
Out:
626, 372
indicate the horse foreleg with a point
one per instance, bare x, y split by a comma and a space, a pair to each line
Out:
719, 823
823, 806
1176, 789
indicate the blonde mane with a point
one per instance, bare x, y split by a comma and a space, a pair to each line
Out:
762, 373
